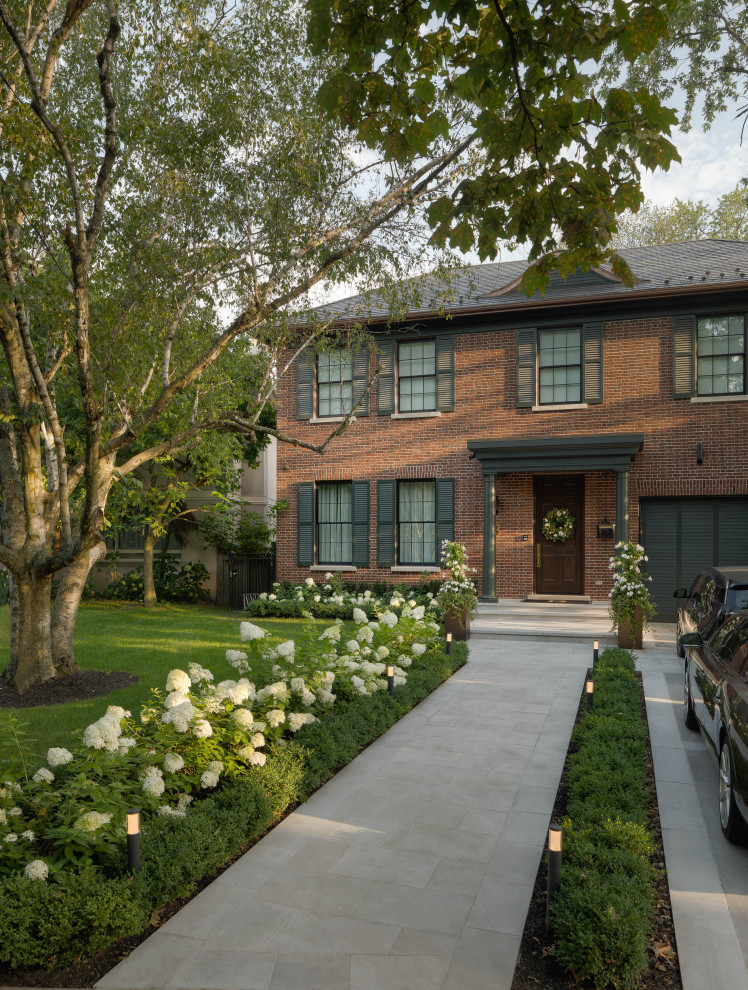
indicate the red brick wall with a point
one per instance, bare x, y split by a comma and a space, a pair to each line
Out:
638, 388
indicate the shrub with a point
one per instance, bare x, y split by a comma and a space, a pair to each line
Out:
174, 582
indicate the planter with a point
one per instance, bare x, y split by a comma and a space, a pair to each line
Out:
630, 631
457, 623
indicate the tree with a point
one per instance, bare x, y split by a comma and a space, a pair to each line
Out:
556, 161
703, 57
170, 192
686, 220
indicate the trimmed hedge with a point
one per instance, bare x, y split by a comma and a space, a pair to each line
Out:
55, 924
603, 907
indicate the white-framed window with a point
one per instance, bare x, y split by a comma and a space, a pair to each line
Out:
335, 522
334, 383
416, 371
559, 366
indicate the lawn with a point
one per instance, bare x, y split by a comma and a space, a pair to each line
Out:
145, 642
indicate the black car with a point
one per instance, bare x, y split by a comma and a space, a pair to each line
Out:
715, 595
716, 699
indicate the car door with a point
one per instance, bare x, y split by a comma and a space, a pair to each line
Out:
715, 658
735, 710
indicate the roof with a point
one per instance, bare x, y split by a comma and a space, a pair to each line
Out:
734, 575
662, 269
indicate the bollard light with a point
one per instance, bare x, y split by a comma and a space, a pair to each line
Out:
449, 642
391, 679
590, 693
595, 653
133, 840
555, 834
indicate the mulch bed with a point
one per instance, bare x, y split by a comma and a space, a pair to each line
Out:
71, 687
536, 965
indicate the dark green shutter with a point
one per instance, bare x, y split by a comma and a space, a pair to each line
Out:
305, 524
386, 380
305, 384
684, 357
361, 380
445, 373
360, 523
385, 523
526, 367
445, 514
592, 357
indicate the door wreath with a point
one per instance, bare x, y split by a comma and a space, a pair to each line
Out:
558, 525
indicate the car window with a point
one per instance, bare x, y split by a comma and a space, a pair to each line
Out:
737, 597
703, 606
738, 644
722, 637
697, 585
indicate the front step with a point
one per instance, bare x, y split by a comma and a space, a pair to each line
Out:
570, 599
578, 620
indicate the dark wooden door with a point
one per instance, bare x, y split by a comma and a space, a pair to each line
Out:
559, 567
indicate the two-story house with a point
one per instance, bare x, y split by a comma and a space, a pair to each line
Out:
626, 406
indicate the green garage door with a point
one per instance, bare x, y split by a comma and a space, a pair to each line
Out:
682, 536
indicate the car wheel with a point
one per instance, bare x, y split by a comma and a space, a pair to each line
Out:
732, 822
689, 715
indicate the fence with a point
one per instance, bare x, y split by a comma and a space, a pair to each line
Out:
241, 578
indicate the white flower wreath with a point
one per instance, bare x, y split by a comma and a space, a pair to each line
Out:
558, 525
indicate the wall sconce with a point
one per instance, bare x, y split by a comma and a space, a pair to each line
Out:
605, 530
699, 453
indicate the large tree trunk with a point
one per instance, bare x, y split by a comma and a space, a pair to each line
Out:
65, 609
149, 584
31, 662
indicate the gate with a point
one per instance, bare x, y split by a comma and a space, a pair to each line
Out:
242, 577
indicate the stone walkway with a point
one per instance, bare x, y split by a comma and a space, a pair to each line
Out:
412, 869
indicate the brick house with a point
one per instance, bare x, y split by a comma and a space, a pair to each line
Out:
625, 406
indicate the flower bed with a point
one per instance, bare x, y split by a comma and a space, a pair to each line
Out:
336, 599
210, 765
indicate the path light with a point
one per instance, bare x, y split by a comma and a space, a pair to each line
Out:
133, 840
449, 643
590, 691
595, 653
555, 834
391, 679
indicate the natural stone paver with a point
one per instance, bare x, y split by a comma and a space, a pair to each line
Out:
414, 867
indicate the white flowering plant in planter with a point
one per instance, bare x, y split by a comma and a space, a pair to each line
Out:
457, 593
69, 813
630, 590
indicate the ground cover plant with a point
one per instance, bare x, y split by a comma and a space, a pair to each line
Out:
211, 764
147, 643
335, 598
602, 910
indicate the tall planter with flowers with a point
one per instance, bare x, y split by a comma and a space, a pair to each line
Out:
457, 595
631, 608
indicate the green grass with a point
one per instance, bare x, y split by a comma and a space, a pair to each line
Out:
145, 642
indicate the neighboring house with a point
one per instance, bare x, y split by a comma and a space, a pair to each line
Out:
626, 406
257, 488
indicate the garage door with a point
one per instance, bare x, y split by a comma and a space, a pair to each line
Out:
682, 536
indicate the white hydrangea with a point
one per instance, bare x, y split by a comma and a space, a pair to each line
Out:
105, 733
276, 717
198, 673
389, 619
309, 582
43, 776
352, 646
154, 785
211, 704
317, 598
166, 809
332, 633
37, 869
249, 631
10, 837
178, 680
57, 757
180, 716
286, 649
202, 729
28, 835
297, 720
174, 698
245, 752
258, 759
236, 692
126, 743
115, 711
215, 766
259, 727
92, 820
243, 718
208, 778
173, 762
417, 649
383, 652
404, 661
272, 598
365, 634
374, 625
15, 812
3, 816
297, 684
418, 612
307, 697
183, 801
359, 616
258, 739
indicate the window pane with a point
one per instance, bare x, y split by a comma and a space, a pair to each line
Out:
417, 375
560, 364
416, 522
335, 383
334, 523
721, 346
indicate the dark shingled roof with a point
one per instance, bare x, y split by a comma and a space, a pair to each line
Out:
689, 265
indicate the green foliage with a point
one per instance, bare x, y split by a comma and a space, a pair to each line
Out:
601, 912
555, 160
175, 582
457, 593
630, 591
233, 528
336, 599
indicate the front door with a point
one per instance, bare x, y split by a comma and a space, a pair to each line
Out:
559, 566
